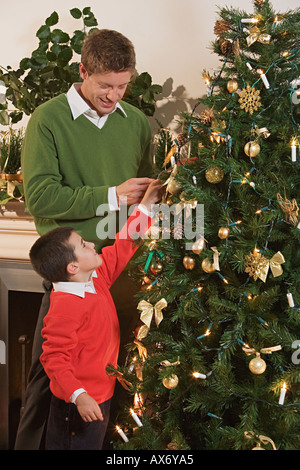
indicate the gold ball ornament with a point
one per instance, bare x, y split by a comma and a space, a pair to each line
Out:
189, 262
207, 266
156, 267
171, 382
232, 86
257, 365
258, 447
173, 187
252, 149
214, 174
223, 233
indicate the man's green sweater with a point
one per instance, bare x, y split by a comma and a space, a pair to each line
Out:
69, 164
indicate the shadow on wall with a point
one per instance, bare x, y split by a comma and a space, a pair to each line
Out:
170, 105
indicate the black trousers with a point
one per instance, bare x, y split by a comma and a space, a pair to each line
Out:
33, 422
66, 430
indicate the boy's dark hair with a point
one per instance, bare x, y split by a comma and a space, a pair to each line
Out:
51, 254
106, 50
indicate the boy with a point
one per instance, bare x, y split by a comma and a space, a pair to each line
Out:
83, 149
81, 329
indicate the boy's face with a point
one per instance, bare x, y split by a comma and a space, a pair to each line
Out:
87, 258
102, 91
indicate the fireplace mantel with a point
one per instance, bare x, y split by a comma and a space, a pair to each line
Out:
17, 232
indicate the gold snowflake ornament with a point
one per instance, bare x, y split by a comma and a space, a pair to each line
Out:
255, 264
249, 99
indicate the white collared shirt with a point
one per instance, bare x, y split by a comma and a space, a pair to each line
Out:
76, 288
78, 107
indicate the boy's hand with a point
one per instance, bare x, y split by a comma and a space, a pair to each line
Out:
132, 190
153, 194
88, 408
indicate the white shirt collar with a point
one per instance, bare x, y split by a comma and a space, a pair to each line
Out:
76, 288
78, 106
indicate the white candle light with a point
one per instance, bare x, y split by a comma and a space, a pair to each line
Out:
290, 299
264, 79
282, 394
294, 150
136, 418
173, 161
249, 66
124, 437
198, 375
249, 20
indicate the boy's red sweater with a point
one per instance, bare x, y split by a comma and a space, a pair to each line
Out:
82, 334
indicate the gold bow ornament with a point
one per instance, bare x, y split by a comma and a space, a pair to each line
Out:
167, 363
148, 311
289, 208
260, 439
249, 351
256, 35
187, 205
263, 131
258, 265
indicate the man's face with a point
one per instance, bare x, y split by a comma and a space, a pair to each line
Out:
102, 91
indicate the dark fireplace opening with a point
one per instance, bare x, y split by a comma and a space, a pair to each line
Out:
23, 308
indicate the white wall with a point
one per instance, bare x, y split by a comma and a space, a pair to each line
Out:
171, 37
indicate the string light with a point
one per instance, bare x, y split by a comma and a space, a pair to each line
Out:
198, 375
275, 23
238, 222
131, 367
245, 181
262, 210
122, 434
207, 333
245, 345
208, 85
249, 296
282, 394
264, 78
138, 400
290, 299
263, 322
294, 150
136, 418
249, 20
222, 277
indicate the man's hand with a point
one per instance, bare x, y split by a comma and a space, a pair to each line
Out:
132, 189
88, 408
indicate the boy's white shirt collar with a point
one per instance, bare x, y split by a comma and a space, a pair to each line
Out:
78, 106
76, 288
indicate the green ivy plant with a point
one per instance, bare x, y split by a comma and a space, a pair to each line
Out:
51, 70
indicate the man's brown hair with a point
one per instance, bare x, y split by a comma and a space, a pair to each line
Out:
106, 50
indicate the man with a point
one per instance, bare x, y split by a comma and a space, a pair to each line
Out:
83, 151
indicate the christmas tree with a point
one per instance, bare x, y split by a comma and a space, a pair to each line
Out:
214, 360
